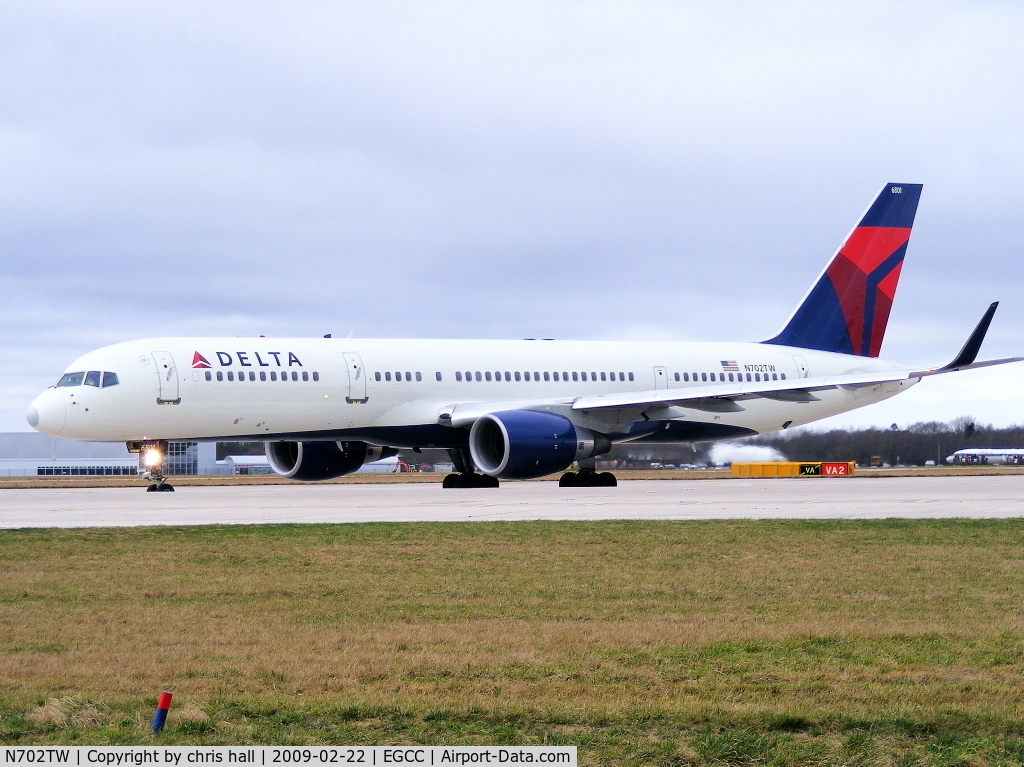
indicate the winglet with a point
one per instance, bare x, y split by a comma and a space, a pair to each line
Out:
970, 350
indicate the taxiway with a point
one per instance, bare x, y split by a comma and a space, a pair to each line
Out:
797, 498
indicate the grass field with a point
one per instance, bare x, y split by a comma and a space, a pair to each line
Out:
799, 642
374, 479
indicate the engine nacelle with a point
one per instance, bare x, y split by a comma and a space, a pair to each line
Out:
523, 444
315, 461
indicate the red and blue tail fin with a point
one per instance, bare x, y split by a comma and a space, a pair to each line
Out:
847, 309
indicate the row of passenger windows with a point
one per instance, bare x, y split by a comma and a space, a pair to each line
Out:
739, 376
263, 375
89, 378
526, 375
398, 376
535, 376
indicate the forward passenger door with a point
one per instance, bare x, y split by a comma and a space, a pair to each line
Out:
356, 379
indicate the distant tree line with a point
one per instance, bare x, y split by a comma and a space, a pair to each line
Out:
913, 445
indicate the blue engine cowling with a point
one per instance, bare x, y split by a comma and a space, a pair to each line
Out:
315, 461
524, 444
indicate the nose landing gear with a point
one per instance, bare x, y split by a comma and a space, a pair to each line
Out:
151, 461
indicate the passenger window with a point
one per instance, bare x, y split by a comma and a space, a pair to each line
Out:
209, 377
305, 375
231, 375
547, 376
593, 376
252, 375
387, 376
478, 376
604, 376
575, 376
730, 377
273, 375
458, 375
316, 376
408, 376
703, 376
71, 379
419, 376
487, 375
677, 376
748, 376
555, 375
686, 376
536, 376
622, 376
775, 376
518, 377
376, 375
263, 375
295, 376
220, 376
526, 375
757, 376
508, 376
630, 376
92, 378
437, 375
565, 376
783, 376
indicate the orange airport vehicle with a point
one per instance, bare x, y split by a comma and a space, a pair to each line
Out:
794, 469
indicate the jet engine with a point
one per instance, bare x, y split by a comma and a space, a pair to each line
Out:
523, 444
314, 461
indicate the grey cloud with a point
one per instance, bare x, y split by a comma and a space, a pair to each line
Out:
526, 169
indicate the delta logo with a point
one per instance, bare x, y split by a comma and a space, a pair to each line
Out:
247, 360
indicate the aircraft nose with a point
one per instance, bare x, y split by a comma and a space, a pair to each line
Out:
47, 413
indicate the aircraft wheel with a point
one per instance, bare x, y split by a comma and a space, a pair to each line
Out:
569, 479
450, 481
486, 480
607, 479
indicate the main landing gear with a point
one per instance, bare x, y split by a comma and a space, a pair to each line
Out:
466, 477
587, 478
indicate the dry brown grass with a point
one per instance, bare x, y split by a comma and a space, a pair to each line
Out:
823, 621
374, 479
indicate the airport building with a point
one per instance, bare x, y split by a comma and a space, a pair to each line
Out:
28, 454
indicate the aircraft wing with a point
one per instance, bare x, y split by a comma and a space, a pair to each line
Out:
725, 397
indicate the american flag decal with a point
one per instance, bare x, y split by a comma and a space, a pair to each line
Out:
730, 366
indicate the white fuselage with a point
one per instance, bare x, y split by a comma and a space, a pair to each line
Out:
408, 393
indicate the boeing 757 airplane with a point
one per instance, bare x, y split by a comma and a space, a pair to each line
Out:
505, 409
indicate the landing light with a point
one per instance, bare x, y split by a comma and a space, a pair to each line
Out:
152, 457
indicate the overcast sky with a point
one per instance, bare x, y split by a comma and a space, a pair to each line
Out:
631, 170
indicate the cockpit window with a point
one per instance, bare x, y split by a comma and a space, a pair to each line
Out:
109, 379
71, 379
92, 378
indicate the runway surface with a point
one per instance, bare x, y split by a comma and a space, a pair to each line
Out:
797, 498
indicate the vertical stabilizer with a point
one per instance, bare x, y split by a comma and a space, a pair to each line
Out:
847, 309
